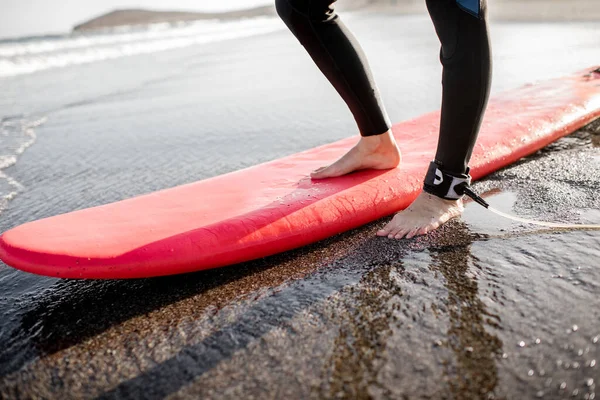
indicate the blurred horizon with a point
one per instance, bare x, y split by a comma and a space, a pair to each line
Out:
39, 17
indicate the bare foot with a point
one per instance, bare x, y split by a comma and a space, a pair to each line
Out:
374, 152
425, 214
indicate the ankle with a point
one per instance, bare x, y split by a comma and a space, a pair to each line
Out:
438, 201
380, 142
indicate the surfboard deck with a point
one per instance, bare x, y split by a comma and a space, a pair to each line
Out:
275, 206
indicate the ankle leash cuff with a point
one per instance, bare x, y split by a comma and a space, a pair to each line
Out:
444, 184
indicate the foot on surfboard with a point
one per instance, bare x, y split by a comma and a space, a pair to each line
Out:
425, 214
371, 152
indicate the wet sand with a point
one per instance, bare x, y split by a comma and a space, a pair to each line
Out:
354, 316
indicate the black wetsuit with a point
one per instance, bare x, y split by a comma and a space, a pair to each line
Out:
465, 55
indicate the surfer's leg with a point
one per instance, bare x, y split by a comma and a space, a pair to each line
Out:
465, 56
466, 80
338, 55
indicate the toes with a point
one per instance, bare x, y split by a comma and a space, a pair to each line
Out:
417, 220
318, 173
400, 234
393, 233
391, 228
425, 230
413, 232
330, 171
386, 230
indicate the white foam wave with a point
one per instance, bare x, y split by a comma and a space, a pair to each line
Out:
18, 58
16, 135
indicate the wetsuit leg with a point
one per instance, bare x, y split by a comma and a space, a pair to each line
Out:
339, 56
466, 77
465, 56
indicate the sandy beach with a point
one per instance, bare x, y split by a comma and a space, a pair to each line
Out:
483, 308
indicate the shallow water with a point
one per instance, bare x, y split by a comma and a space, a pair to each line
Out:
455, 314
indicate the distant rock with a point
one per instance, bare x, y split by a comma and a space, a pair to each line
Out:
145, 17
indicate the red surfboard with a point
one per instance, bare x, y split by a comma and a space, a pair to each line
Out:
274, 207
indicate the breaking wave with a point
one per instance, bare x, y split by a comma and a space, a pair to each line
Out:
24, 56
16, 135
